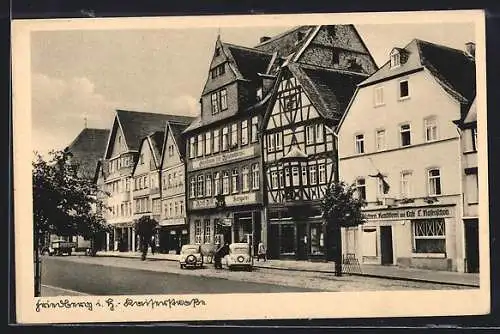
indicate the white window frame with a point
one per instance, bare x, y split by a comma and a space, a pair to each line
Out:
214, 98
401, 131
309, 132
234, 135
359, 185
216, 141
235, 181
428, 232
245, 178
217, 189
223, 99
192, 188
225, 138
244, 132
400, 97
378, 96
208, 232
432, 188
208, 185
431, 124
274, 179
295, 176
319, 133
359, 143
406, 184
225, 183
200, 185
380, 145
255, 177
192, 147
198, 236
395, 59
313, 175
208, 143
322, 173
255, 129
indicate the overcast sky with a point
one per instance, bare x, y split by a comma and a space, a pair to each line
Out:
83, 73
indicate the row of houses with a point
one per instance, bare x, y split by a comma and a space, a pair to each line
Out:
278, 122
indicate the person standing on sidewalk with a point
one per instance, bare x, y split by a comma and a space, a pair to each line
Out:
261, 251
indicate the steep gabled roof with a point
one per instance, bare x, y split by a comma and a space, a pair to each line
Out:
329, 90
287, 42
156, 140
137, 125
87, 148
249, 61
453, 69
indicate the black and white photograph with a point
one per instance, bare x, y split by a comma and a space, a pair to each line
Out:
250, 167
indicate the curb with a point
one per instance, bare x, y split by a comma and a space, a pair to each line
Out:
408, 279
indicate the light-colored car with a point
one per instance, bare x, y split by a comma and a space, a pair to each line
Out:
239, 256
190, 256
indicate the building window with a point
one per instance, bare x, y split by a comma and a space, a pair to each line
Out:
200, 185
218, 71
281, 180
245, 177
287, 177
235, 181
197, 232
234, 135
208, 232
431, 129
225, 138
434, 181
216, 140
322, 173
225, 183
244, 132
474, 138
360, 144
472, 188
406, 184
304, 176
378, 96
295, 176
255, 129
217, 183
405, 132
274, 180
192, 147
176, 205
223, 99
208, 185
361, 188
319, 133
429, 236
271, 142
219, 101
275, 142
192, 189
395, 59
380, 140
313, 175
404, 91
208, 143
309, 134
199, 151
181, 207
215, 103
255, 176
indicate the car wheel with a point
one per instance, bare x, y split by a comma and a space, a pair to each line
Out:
182, 266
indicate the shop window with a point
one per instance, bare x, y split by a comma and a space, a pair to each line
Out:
287, 239
429, 236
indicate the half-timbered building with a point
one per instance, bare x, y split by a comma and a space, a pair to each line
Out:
312, 89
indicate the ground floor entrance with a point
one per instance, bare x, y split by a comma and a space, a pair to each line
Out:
471, 231
170, 239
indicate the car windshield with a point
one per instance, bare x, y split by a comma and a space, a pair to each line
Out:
240, 250
190, 250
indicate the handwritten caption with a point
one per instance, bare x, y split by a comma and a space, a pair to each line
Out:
112, 304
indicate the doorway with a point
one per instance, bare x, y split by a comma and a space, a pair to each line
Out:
472, 246
302, 241
386, 245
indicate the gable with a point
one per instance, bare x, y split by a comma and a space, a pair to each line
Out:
117, 143
170, 156
223, 59
147, 162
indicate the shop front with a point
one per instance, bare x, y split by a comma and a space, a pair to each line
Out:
121, 238
171, 235
417, 237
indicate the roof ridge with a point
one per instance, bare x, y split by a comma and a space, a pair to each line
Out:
328, 69
247, 48
284, 33
442, 46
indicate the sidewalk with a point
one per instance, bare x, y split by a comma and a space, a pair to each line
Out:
377, 271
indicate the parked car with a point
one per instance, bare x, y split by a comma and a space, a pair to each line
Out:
239, 256
190, 256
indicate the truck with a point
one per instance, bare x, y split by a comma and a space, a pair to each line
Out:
59, 245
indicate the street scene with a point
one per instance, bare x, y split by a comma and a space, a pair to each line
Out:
311, 158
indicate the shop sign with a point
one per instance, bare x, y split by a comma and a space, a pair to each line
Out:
421, 213
249, 198
173, 221
205, 203
223, 158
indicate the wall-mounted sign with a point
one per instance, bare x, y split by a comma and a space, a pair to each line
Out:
206, 203
172, 221
249, 198
223, 158
420, 213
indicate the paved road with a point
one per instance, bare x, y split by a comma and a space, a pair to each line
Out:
97, 279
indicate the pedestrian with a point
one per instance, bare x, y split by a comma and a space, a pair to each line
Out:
261, 252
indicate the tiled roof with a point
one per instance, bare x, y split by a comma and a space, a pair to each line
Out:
248, 61
157, 143
137, 125
287, 42
453, 69
329, 90
87, 148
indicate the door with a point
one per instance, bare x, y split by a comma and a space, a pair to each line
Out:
472, 246
273, 241
386, 245
302, 241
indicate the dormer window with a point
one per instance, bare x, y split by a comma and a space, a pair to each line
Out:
395, 58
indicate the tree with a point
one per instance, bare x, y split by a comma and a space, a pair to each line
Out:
65, 203
341, 207
145, 227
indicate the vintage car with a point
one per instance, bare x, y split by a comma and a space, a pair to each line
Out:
59, 247
239, 256
190, 256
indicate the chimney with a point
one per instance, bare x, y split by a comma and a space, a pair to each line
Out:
470, 49
264, 38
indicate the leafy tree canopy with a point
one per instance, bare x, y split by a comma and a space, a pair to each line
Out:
145, 227
341, 206
64, 203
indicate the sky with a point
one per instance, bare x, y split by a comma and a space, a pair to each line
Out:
88, 74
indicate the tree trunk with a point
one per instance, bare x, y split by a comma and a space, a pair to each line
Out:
144, 248
337, 249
